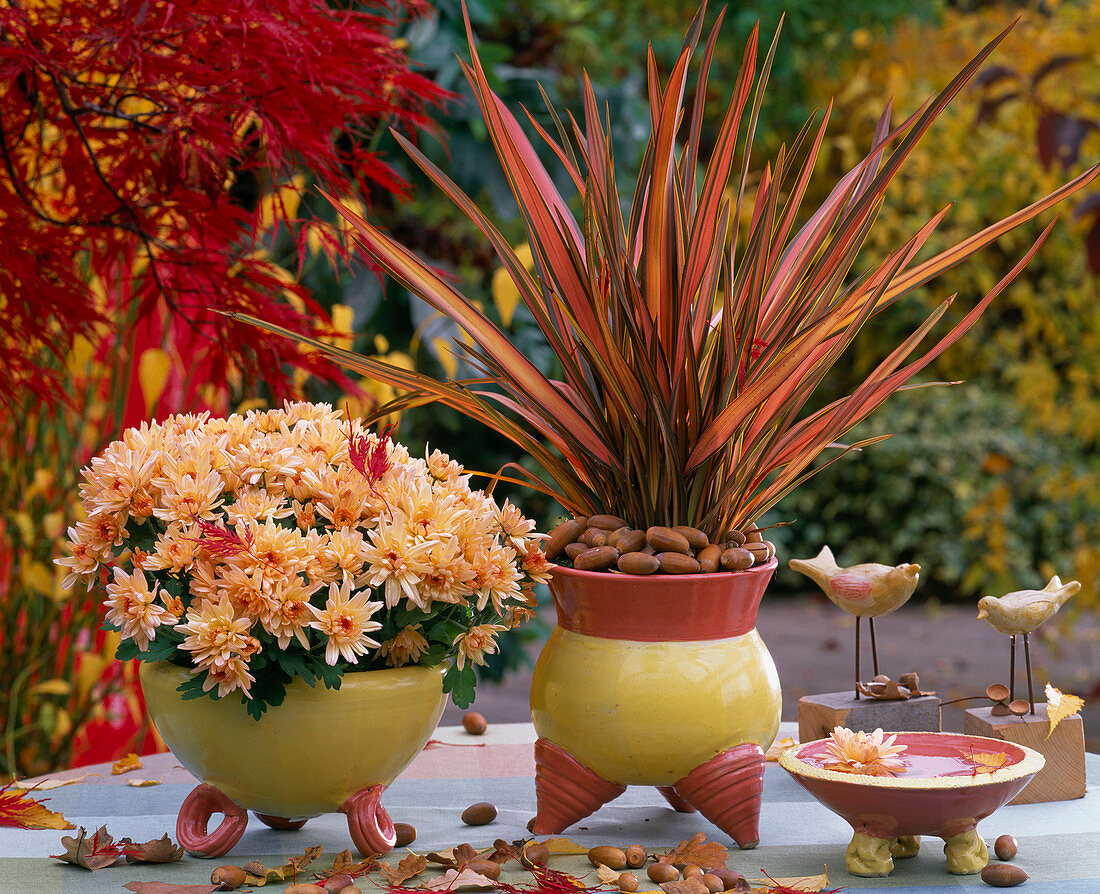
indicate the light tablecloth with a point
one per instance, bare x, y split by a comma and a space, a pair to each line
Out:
1059, 843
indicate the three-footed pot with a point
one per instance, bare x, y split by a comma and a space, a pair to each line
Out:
655, 680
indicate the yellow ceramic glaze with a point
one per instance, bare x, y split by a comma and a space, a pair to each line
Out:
648, 713
312, 752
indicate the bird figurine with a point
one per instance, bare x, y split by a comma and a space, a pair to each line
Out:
866, 591
1022, 612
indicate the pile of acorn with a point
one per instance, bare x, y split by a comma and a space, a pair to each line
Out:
607, 543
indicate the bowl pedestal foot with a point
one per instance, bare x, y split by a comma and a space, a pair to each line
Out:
966, 853
868, 856
370, 826
194, 816
905, 846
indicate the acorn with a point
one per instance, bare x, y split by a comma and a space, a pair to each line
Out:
487, 868
627, 882
597, 558
566, 532
594, 537
611, 857
474, 723
231, 877
479, 814
574, 549
1005, 847
606, 522
696, 539
638, 563
709, 558
1003, 875
665, 540
630, 541
677, 563
662, 872
535, 852
736, 558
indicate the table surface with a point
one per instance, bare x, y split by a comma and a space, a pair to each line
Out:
1058, 842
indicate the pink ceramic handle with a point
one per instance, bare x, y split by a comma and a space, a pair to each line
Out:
370, 826
195, 812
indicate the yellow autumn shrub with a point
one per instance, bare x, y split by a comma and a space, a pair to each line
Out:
1038, 347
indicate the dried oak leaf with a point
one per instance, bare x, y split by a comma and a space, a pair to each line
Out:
346, 864
24, 812
166, 888
409, 867
457, 857
95, 852
466, 880
47, 784
157, 850
503, 851
126, 764
565, 846
778, 747
608, 875
808, 883
288, 870
692, 885
697, 850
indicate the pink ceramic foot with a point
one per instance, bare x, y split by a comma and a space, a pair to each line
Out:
565, 789
370, 826
675, 801
195, 812
727, 791
279, 822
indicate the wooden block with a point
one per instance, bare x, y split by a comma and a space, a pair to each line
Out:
818, 714
1063, 777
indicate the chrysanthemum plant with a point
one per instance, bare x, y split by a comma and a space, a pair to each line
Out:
688, 364
294, 543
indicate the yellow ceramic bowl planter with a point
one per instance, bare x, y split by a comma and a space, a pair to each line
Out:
370, 729
656, 680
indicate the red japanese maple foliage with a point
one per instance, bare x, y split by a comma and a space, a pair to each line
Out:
127, 130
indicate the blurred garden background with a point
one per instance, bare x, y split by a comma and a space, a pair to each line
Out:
159, 165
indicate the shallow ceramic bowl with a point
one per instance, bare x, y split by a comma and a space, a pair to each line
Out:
951, 782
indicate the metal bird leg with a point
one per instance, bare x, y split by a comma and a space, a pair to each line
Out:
1027, 663
1012, 670
874, 648
858, 619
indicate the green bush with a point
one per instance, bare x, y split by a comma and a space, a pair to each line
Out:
965, 487
991, 486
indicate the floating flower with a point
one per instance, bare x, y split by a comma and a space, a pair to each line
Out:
868, 754
345, 619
